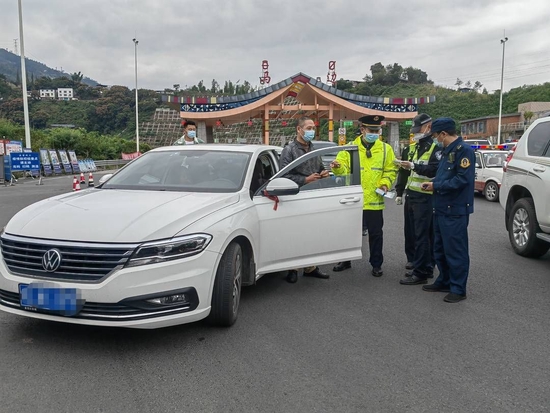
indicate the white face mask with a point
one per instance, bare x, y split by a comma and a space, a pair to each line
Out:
417, 137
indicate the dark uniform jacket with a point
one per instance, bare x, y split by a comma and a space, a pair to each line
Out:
454, 180
293, 151
423, 145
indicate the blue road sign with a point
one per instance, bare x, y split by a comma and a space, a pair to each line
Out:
25, 161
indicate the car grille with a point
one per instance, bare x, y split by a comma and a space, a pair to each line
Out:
108, 311
80, 262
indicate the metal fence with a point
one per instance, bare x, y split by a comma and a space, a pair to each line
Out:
111, 163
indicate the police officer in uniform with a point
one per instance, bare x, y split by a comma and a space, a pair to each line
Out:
377, 172
418, 203
453, 202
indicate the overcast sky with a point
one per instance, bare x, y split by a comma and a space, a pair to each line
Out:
184, 41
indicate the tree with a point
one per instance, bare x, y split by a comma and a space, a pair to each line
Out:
76, 78
458, 83
477, 85
176, 88
528, 115
468, 84
215, 87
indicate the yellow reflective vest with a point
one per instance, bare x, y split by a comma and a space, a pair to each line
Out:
376, 171
415, 179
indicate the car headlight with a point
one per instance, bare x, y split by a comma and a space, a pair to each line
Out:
172, 249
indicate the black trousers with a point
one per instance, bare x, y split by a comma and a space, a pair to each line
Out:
419, 233
373, 221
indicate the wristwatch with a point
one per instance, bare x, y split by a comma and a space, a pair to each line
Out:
412, 166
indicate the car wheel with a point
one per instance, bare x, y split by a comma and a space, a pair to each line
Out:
226, 295
491, 191
522, 230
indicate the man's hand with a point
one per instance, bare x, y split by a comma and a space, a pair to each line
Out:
312, 178
335, 164
427, 186
384, 188
406, 165
324, 174
399, 200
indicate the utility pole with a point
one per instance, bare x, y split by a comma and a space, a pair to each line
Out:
503, 42
137, 110
15, 49
24, 80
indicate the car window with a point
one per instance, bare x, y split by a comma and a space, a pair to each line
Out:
185, 170
264, 169
478, 160
494, 160
538, 140
329, 182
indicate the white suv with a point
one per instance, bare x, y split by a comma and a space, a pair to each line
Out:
525, 191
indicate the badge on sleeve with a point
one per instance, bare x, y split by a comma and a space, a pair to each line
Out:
464, 163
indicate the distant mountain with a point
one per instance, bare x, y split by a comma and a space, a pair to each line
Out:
10, 66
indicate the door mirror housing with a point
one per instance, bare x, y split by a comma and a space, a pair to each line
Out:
282, 186
104, 179
478, 165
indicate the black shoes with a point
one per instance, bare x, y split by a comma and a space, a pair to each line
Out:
413, 280
409, 266
292, 276
377, 272
341, 266
317, 274
433, 288
454, 298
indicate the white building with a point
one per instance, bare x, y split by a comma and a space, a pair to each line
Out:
65, 93
47, 93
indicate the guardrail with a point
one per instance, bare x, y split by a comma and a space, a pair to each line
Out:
111, 163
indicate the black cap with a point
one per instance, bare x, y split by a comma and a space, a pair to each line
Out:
373, 122
419, 121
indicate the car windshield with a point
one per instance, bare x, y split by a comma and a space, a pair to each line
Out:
477, 142
184, 170
494, 160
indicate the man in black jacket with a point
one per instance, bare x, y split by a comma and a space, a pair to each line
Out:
308, 172
418, 203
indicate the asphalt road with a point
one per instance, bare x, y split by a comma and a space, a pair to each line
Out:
353, 343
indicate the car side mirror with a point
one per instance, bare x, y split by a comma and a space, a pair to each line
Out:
104, 179
478, 165
282, 186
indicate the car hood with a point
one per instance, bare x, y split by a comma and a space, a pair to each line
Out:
109, 215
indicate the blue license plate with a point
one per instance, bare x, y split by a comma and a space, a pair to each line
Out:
41, 297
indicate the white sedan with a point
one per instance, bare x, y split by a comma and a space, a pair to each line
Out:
172, 237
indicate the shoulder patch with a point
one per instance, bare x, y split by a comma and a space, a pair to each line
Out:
459, 147
464, 163
438, 155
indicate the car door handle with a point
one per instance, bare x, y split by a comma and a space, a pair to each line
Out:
539, 168
350, 200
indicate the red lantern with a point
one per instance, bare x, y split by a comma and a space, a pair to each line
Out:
316, 123
218, 123
284, 123
249, 123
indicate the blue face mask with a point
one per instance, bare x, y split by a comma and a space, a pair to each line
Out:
309, 135
191, 134
371, 137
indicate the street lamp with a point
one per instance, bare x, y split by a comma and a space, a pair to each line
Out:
24, 80
137, 116
503, 42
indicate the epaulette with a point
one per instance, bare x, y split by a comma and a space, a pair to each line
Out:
459, 147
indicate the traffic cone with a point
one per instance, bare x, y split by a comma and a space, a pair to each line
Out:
77, 186
91, 180
82, 179
74, 183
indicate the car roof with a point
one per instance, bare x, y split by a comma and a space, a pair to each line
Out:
217, 147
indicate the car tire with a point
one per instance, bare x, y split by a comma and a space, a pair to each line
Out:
491, 191
522, 230
226, 294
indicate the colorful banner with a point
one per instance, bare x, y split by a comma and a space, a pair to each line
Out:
74, 161
82, 166
65, 161
45, 160
14, 146
55, 161
130, 156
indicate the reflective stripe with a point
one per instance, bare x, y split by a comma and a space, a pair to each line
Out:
377, 169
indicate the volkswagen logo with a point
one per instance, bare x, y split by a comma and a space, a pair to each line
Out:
51, 260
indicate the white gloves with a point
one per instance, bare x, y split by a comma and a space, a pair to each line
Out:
399, 200
407, 165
